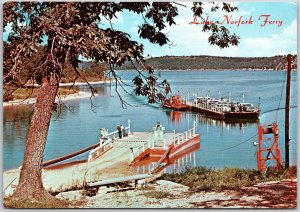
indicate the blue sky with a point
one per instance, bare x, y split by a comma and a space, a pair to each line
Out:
255, 40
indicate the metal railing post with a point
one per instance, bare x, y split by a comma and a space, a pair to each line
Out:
129, 126
174, 137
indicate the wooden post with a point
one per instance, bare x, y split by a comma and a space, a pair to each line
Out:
260, 166
287, 113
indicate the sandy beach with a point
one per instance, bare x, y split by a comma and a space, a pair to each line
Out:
78, 95
74, 84
84, 83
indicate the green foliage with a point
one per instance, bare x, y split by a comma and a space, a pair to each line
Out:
79, 32
90, 71
207, 179
210, 63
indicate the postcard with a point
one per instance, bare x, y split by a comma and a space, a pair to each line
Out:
149, 104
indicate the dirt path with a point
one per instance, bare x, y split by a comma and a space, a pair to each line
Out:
268, 195
166, 194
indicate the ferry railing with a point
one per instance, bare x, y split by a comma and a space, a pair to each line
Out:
185, 136
104, 146
115, 134
139, 150
157, 143
100, 149
152, 144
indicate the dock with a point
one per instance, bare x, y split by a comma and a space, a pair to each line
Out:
146, 144
116, 156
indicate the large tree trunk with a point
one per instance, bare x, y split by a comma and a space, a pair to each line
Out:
30, 181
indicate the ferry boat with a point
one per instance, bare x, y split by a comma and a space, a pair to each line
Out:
224, 108
215, 108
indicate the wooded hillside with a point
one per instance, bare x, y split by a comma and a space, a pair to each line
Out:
210, 63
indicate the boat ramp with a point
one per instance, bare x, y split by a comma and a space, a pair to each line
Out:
115, 157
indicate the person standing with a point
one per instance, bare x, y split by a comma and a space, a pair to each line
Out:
131, 156
119, 131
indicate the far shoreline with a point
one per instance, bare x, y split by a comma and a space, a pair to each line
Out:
66, 84
77, 95
81, 94
31, 101
200, 70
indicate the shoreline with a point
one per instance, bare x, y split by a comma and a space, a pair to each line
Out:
66, 84
30, 101
185, 70
158, 193
78, 95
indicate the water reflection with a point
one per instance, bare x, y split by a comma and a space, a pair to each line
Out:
174, 116
101, 89
177, 163
14, 120
78, 126
177, 116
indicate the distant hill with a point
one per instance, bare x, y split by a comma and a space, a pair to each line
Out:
210, 63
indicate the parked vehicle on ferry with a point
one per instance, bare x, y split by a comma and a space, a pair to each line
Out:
219, 108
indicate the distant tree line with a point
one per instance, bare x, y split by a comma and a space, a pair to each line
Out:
212, 63
90, 70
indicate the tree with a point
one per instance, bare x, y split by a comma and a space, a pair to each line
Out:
68, 30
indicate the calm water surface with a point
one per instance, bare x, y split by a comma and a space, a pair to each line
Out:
222, 144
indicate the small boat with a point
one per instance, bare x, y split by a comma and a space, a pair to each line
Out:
176, 103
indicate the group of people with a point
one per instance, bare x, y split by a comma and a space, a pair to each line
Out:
121, 131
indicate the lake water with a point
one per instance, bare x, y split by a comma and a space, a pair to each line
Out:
222, 144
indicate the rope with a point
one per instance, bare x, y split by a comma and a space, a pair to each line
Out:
221, 150
10, 183
276, 109
282, 88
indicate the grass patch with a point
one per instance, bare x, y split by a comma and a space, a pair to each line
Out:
209, 179
23, 93
27, 203
158, 194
